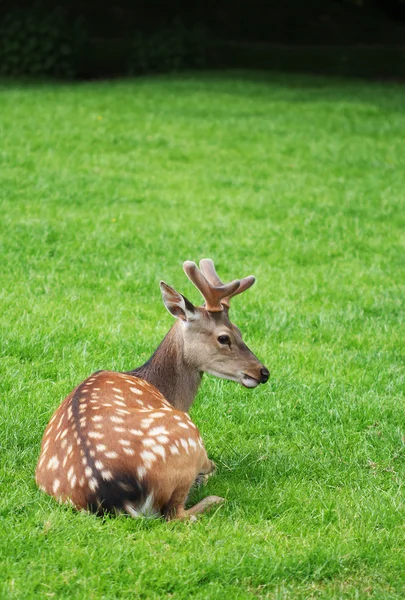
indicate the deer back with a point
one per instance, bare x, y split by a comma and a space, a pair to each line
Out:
115, 443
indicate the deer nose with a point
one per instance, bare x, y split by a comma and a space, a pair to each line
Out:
264, 375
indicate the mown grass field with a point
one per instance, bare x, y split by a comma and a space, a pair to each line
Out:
106, 187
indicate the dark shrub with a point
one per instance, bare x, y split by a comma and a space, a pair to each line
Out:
170, 49
39, 43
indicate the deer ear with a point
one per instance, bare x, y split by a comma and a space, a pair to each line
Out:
176, 304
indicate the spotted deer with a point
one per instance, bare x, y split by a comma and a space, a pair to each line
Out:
123, 442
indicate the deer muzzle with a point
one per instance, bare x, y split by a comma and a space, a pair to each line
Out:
249, 381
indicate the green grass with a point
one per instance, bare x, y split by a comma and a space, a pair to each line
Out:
106, 187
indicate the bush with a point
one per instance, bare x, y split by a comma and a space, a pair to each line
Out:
39, 43
171, 49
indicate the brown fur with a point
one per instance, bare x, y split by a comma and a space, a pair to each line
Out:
127, 433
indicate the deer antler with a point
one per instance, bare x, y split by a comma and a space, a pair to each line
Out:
216, 294
208, 269
212, 294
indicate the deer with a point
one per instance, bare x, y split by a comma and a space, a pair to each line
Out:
123, 442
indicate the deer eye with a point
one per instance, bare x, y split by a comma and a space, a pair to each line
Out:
224, 339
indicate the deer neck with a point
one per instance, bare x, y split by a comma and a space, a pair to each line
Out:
170, 373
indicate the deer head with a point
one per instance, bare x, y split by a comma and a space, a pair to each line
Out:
211, 343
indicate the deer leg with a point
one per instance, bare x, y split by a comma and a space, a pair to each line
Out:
204, 505
175, 507
208, 468
178, 512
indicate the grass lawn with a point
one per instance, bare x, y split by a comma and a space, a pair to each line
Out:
106, 187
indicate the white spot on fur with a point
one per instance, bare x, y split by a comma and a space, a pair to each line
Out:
163, 439
141, 471
116, 419
97, 418
131, 510
93, 485
95, 435
135, 390
111, 454
53, 463
158, 449
136, 432
145, 423
158, 431
147, 507
148, 442
129, 451
106, 475
148, 458
192, 443
99, 464
124, 442
101, 447
56, 485
119, 403
184, 425
184, 443
174, 450
119, 429
88, 472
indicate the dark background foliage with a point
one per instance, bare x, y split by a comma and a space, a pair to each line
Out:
85, 38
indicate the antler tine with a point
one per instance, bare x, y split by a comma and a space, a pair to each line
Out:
244, 285
212, 294
208, 269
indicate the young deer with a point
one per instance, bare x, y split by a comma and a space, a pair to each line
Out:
124, 441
